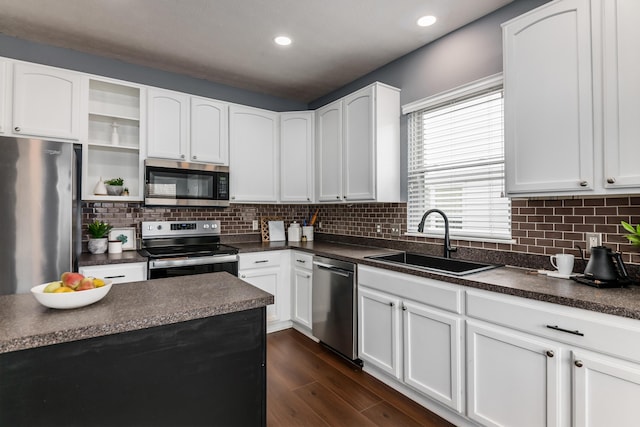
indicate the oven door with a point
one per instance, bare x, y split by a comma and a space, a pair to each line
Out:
174, 267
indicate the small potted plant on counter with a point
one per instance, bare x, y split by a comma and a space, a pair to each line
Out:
98, 236
114, 186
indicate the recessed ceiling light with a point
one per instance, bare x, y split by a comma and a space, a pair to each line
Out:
282, 40
425, 21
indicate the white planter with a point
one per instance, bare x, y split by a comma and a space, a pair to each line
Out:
98, 246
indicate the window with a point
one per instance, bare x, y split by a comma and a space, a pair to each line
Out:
456, 163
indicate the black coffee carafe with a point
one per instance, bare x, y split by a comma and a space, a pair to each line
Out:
605, 265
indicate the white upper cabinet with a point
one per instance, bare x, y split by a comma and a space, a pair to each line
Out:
254, 154
209, 131
113, 137
168, 114
296, 156
621, 59
329, 152
189, 128
548, 99
46, 102
358, 146
572, 98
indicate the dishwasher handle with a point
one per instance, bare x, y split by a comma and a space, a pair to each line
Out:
332, 269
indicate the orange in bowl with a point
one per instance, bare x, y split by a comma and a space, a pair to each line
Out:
73, 299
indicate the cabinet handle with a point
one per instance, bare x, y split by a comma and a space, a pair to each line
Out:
550, 353
301, 261
195, 157
584, 183
244, 276
611, 180
390, 304
404, 307
17, 128
233, 197
115, 277
338, 197
182, 156
308, 199
578, 363
557, 328
260, 261
308, 276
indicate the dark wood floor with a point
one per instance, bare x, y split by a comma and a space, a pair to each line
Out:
308, 385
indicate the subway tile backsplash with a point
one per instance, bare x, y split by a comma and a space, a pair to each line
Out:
539, 226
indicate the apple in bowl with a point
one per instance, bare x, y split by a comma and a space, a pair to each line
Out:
73, 290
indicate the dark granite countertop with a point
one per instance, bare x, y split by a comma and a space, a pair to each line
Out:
506, 280
24, 323
86, 259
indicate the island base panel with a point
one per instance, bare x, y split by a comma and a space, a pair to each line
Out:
208, 371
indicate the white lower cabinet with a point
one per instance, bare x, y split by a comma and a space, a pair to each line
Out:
301, 282
268, 271
410, 339
606, 390
512, 379
117, 273
540, 364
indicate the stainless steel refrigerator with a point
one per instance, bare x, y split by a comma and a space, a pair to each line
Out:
40, 215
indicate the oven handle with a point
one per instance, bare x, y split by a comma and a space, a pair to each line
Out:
181, 262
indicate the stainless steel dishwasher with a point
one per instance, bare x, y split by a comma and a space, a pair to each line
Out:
334, 306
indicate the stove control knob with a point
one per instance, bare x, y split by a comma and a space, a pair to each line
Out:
159, 227
205, 226
214, 226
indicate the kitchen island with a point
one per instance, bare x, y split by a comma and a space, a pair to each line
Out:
180, 351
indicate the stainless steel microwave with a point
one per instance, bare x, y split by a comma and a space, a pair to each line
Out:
176, 183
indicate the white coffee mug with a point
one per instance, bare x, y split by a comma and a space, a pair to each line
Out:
563, 263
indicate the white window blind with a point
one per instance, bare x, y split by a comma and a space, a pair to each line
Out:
456, 164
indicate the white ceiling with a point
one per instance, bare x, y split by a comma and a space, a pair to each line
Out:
231, 41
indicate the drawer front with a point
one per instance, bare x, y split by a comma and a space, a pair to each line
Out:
303, 260
426, 291
118, 273
260, 260
604, 333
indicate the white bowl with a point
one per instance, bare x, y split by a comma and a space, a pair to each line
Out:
70, 299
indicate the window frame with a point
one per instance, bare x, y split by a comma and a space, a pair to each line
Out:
459, 94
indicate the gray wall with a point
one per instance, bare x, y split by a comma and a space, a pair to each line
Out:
470, 53
11, 47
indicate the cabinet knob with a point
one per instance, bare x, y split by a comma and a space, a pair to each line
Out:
584, 184
578, 363
17, 128
308, 276
404, 308
244, 276
233, 197
182, 156
308, 199
338, 197
611, 180
390, 304
550, 353
195, 157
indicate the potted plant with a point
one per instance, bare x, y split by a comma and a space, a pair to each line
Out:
114, 186
634, 233
98, 233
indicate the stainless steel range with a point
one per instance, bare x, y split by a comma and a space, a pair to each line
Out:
182, 248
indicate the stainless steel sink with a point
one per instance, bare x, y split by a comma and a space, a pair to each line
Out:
438, 264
